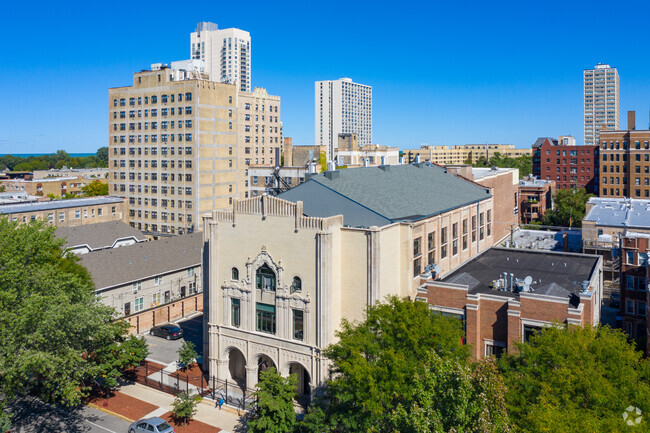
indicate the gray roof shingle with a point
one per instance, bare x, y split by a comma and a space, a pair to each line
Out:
369, 196
143, 260
98, 236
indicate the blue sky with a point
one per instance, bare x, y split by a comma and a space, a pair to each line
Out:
442, 73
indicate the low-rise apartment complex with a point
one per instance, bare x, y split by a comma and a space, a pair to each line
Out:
52, 186
505, 295
461, 154
71, 212
635, 271
535, 198
158, 281
570, 166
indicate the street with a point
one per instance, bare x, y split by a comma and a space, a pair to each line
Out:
165, 351
31, 415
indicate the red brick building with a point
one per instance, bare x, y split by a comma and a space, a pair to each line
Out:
535, 198
634, 287
569, 166
505, 295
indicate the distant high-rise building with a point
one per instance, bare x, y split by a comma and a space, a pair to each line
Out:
342, 106
601, 101
226, 53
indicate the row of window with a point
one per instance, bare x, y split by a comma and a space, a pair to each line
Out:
133, 114
272, 108
164, 163
154, 125
187, 204
154, 138
164, 228
266, 320
154, 189
444, 241
154, 99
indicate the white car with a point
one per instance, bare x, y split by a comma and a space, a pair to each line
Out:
151, 425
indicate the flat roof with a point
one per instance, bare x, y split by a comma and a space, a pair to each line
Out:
58, 204
479, 172
619, 212
553, 273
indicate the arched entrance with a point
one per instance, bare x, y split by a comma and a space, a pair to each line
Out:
237, 366
264, 362
303, 386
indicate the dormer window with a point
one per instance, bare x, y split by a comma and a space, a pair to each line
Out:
265, 278
296, 286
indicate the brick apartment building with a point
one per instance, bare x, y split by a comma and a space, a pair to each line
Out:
625, 156
634, 287
570, 166
500, 305
535, 198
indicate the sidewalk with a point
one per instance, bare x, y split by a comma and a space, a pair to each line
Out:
135, 399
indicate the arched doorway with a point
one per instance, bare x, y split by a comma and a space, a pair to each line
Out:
237, 366
303, 385
264, 362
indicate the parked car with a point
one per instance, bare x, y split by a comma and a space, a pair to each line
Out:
149, 425
615, 300
168, 331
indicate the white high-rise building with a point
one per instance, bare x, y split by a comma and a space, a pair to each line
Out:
226, 53
601, 101
342, 106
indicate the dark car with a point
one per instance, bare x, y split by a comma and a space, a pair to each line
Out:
149, 425
169, 331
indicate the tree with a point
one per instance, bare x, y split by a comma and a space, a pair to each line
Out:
274, 412
376, 362
94, 188
569, 208
454, 396
322, 160
102, 157
187, 353
576, 379
58, 338
184, 406
524, 163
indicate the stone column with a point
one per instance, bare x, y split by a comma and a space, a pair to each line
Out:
473, 325
251, 377
373, 265
514, 325
222, 369
324, 329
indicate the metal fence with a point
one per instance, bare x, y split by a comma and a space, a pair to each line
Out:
178, 381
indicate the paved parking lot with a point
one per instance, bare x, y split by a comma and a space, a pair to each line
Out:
165, 351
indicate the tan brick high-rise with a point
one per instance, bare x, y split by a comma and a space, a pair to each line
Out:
172, 148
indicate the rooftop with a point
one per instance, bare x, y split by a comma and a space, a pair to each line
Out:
552, 273
377, 196
58, 204
619, 212
480, 172
100, 235
534, 183
124, 265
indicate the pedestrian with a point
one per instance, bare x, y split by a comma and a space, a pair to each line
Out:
220, 402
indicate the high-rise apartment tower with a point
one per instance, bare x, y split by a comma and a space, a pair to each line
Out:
226, 53
173, 149
342, 106
601, 101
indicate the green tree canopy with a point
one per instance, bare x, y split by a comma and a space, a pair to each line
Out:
376, 362
95, 188
576, 380
569, 208
187, 353
55, 160
58, 338
453, 396
274, 412
524, 163
184, 406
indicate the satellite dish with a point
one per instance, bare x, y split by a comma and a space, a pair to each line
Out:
528, 280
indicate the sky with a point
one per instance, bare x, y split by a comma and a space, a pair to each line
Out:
442, 73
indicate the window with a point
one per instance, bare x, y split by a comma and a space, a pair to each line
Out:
454, 234
629, 307
474, 228
643, 259
296, 286
266, 318
138, 305
495, 350
416, 247
298, 324
443, 243
630, 257
417, 267
235, 312
157, 281
464, 234
529, 331
156, 298
234, 274
265, 278
489, 222
629, 282
641, 308
190, 271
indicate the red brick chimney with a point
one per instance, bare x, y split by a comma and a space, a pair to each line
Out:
631, 120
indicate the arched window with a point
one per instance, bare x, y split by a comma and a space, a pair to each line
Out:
296, 286
265, 278
235, 274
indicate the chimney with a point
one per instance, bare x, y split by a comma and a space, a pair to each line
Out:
630, 120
